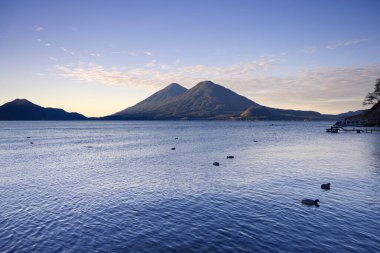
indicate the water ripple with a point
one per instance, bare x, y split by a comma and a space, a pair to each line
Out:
118, 187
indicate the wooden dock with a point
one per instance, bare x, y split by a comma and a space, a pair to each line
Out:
337, 129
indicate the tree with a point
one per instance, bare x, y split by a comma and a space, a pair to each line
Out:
373, 97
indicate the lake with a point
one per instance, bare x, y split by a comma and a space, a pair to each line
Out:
118, 187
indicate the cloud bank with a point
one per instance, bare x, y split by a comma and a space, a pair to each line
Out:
328, 89
157, 75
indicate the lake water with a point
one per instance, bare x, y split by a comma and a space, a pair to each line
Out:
118, 187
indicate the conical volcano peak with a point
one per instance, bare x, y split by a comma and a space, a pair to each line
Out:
20, 101
207, 84
157, 99
174, 87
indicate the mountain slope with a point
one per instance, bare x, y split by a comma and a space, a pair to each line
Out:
257, 112
351, 113
151, 103
373, 114
22, 109
267, 113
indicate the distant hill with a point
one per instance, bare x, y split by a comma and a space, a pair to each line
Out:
22, 109
351, 113
208, 100
372, 115
257, 112
267, 113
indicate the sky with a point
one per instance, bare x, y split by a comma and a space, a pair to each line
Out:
99, 57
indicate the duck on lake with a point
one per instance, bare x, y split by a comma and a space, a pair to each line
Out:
215, 164
325, 186
310, 202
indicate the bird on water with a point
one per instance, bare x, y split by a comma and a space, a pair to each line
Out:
310, 202
325, 186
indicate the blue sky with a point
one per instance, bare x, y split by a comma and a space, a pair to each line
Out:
99, 57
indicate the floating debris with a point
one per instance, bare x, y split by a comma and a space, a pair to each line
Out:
173, 148
230, 157
215, 164
255, 141
31, 142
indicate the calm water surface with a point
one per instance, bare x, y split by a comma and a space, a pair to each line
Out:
118, 187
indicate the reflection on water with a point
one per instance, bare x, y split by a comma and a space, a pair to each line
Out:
118, 186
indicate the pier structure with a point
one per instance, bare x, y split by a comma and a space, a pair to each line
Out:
360, 129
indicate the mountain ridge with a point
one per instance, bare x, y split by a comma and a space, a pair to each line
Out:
23, 109
208, 100
205, 101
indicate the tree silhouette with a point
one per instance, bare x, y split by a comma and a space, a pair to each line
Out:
373, 97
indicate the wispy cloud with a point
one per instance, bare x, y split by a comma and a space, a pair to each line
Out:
341, 43
67, 51
94, 54
46, 44
309, 50
131, 53
39, 29
151, 63
148, 53
330, 89
164, 66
